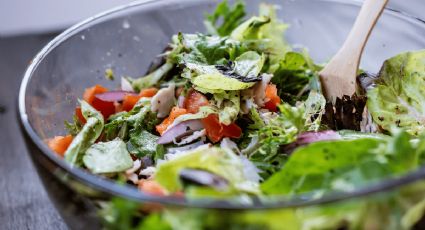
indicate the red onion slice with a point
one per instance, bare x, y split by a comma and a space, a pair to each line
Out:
113, 96
180, 130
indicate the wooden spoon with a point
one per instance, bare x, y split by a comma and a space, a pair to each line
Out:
339, 75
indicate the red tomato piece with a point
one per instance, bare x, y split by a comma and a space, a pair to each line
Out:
194, 100
105, 107
216, 131
272, 99
60, 144
149, 92
79, 115
89, 93
129, 102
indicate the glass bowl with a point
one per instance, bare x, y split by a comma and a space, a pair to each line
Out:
127, 39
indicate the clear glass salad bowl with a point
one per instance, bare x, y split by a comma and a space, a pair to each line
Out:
127, 39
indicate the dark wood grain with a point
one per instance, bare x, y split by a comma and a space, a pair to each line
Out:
23, 201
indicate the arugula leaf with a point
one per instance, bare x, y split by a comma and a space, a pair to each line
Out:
231, 18
87, 136
344, 165
398, 98
108, 157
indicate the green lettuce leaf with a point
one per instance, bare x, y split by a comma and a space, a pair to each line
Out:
87, 136
218, 81
139, 118
219, 78
293, 75
265, 34
211, 159
249, 64
108, 157
231, 17
280, 130
143, 143
399, 95
344, 165
204, 50
314, 110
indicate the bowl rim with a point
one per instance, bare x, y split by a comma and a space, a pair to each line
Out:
130, 192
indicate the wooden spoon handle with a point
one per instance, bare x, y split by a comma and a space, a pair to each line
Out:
339, 75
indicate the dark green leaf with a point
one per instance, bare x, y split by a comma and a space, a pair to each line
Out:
230, 18
144, 143
293, 76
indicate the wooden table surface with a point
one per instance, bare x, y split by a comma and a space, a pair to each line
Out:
23, 201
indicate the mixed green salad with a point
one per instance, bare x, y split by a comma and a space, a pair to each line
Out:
237, 112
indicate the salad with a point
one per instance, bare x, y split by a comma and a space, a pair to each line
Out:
238, 112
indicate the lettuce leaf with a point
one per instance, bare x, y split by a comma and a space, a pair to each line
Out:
228, 106
293, 75
87, 136
108, 157
279, 131
344, 165
249, 64
139, 118
399, 95
265, 34
203, 49
143, 143
283, 129
217, 81
231, 17
211, 159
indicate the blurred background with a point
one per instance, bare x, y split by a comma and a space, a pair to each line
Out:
25, 27
19, 17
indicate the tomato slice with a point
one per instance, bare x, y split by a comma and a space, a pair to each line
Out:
129, 102
175, 112
194, 100
232, 131
272, 99
216, 131
105, 107
60, 144
79, 115
149, 92
89, 93
151, 187
213, 127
